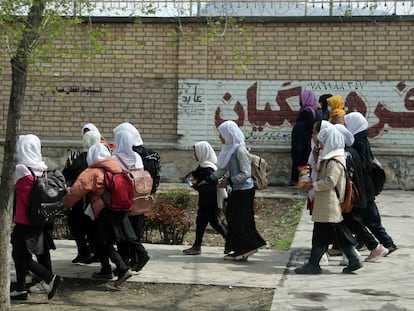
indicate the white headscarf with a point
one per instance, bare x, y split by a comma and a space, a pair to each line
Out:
126, 126
233, 138
205, 154
348, 137
124, 142
324, 125
29, 152
355, 122
332, 140
96, 153
91, 127
90, 138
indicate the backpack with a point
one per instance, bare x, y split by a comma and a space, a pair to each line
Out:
142, 185
351, 196
119, 191
377, 174
260, 172
45, 202
152, 163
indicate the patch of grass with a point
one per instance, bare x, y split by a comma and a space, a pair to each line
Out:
287, 224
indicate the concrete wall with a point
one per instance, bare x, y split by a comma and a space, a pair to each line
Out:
176, 88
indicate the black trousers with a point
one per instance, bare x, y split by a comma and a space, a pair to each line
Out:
79, 226
208, 215
23, 260
354, 223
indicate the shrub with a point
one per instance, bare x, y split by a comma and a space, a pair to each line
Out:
171, 222
180, 198
169, 218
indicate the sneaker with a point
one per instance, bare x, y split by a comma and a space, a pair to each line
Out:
18, 295
324, 260
352, 267
193, 250
392, 249
102, 275
308, 269
244, 254
54, 286
41, 287
122, 278
377, 253
230, 256
142, 261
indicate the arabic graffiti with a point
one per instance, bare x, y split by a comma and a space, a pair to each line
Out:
191, 102
78, 89
286, 115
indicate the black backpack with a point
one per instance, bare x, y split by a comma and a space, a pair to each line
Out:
152, 163
46, 198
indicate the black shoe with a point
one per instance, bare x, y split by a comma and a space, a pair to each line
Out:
18, 295
243, 255
123, 277
392, 249
308, 269
102, 275
89, 260
352, 267
54, 286
142, 261
76, 259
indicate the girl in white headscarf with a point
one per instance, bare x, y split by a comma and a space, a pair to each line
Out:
29, 155
234, 169
28, 240
110, 227
327, 215
353, 220
124, 154
208, 210
126, 126
151, 162
90, 127
358, 126
79, 224
314, 158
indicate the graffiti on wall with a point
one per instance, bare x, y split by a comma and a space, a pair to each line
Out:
266, 112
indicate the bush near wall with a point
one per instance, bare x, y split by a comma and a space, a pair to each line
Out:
167, 224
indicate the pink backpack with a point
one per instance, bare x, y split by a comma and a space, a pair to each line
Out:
142, 185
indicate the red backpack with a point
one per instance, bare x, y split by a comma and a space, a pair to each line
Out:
118, 196
142, 186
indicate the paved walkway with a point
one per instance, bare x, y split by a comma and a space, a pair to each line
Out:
384, 285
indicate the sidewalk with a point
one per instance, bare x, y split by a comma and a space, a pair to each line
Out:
387, 284
384, 285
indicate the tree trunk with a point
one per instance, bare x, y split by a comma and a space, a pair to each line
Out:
20, 64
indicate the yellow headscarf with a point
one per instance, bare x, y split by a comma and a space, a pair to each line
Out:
337, 105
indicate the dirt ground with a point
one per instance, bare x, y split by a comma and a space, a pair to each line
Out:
272, 221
